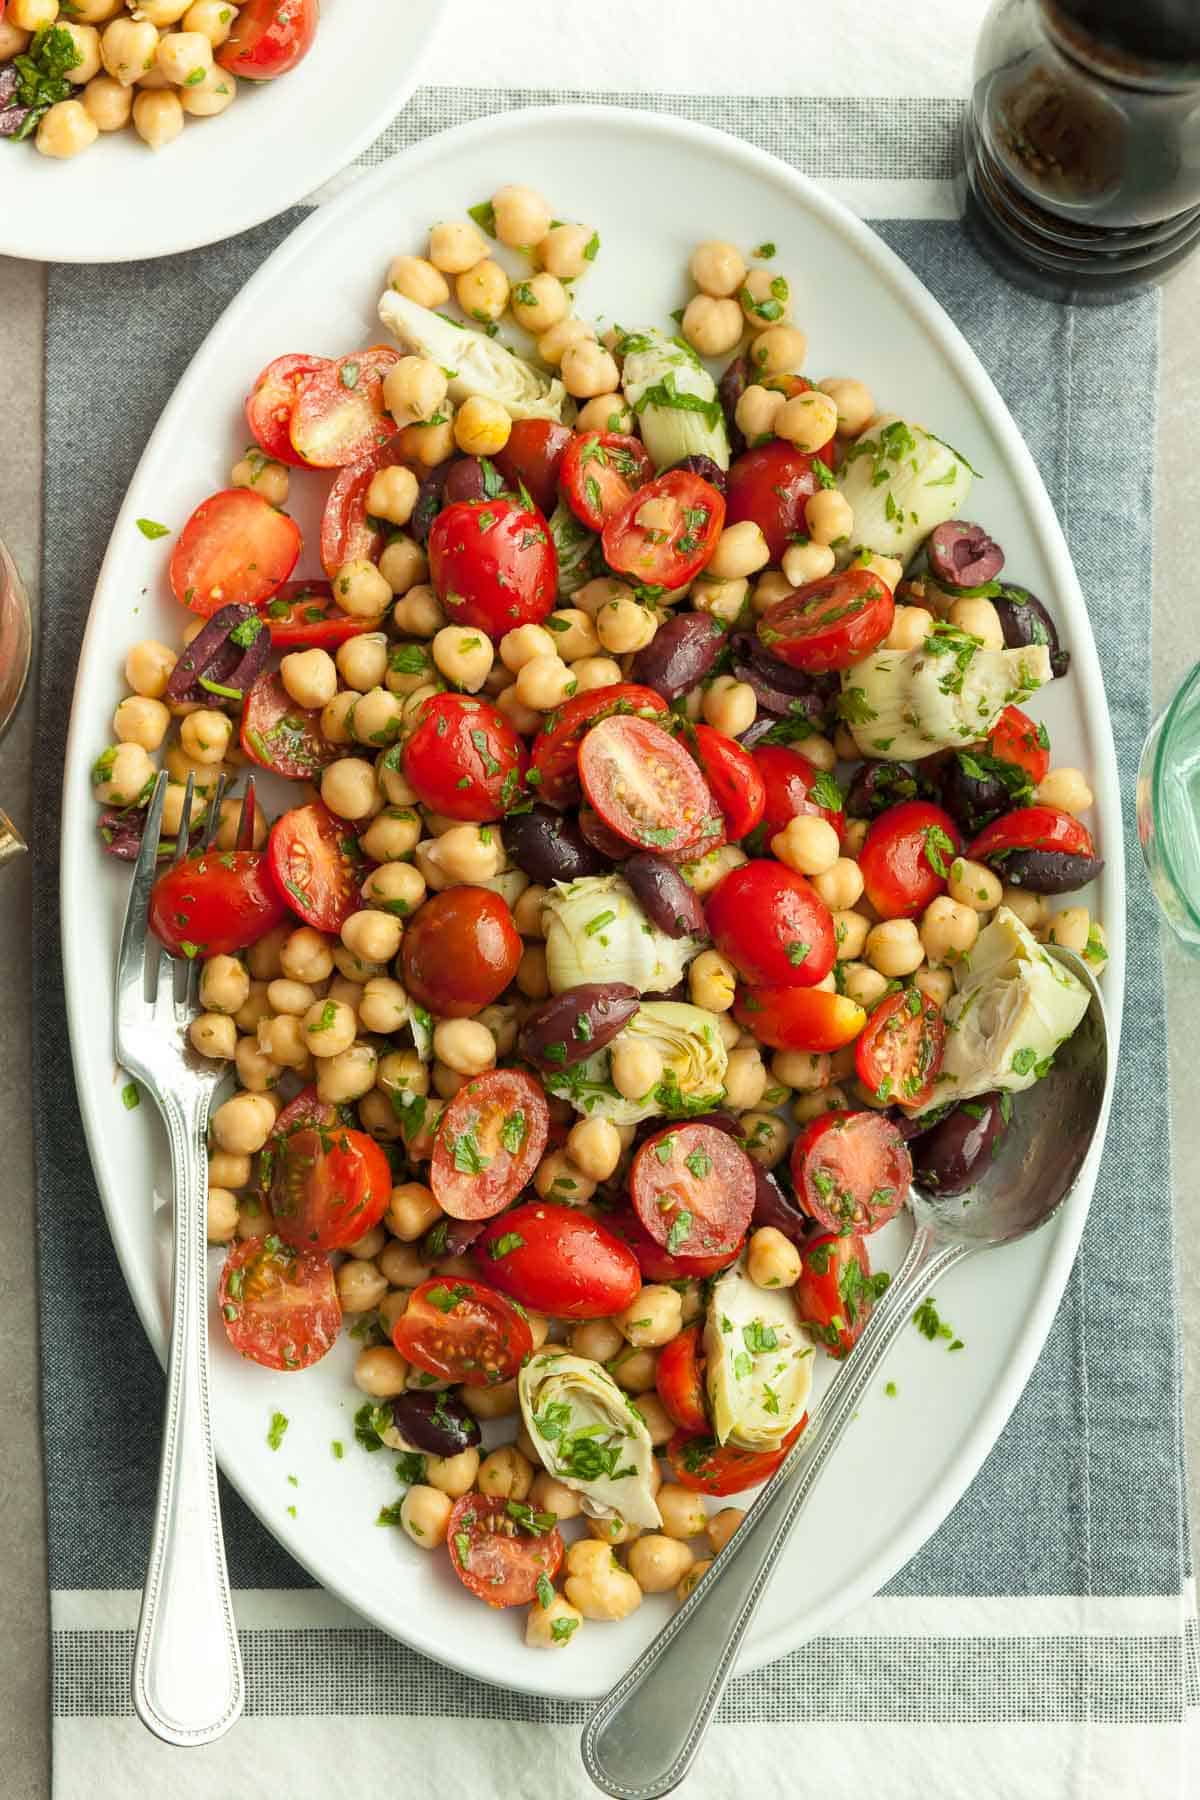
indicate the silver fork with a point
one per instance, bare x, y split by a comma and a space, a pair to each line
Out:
187, 1667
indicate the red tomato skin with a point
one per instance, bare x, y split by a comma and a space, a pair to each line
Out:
680, 802
772, 485
337, 421
279, 1308
924, 1041
441, 752
630, 551
792, 1018
718, 1203
460, 951
657, 1263
821, 1305
236, 547
328, 1215
756, 911
483, 1195
1032, 828
1015, 738
898, 878
269, 38
281, 736
617, 465
270, 402
787, 777
569, 1264
830, 624
346, 535
878, 1156
314, 869
679, 1379
733, 776
501, 1569
291, 617
556, 752
533, 456
724, 1468
218, 902
493, 565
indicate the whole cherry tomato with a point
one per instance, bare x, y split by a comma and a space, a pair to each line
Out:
493, 565
328, 1188
690, 514
235, 549
793, 785
836, 1290
772, 485
1032, 828
906, 856
460, 951
600, 472
533, 458
464, 759
215, 904
559, 1260
772, 925
700, 1463
1015, 738
679, 1378
733, 776
851, 1171
269, 37
793, 1018
831, 623
899, 1055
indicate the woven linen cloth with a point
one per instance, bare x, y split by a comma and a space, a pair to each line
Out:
1042, 1643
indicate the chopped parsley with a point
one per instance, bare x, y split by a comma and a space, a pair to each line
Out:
279, 1425
150, 528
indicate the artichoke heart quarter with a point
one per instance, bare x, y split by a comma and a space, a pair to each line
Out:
589, 1436
759, 1361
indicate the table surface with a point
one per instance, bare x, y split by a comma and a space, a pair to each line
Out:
24, 1650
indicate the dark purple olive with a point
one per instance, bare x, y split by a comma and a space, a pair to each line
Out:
773, 1206
121, 831
450, 1237
905, 1124
878, 785
223, 660
664, 896
730, 389
781, 690
679, 991
963, 555
953, 1155
976, 788
549, 846
680, 656
1048, 871
705, 467
437, 1423
1024, 619
603, 839
465, 480
430, 501
573, 1025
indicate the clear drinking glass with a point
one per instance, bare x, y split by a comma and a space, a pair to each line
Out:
1168, 811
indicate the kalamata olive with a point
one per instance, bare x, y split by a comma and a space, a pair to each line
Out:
450, 1237
664, 896
438, 1424
680, 656
573, 1025
951, 1157
962, 554
878, 785
430, 500
121, 831
730, 389
465, 480
705, 467
1048, 871
772, 1206
977, 788
602, 838
1024, 619
905, 1124
549, 846
780, 690
230, 651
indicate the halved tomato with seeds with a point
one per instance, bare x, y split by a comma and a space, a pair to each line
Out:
269, 405
460, 1330
851, 1171
693, 1189
279, 1306
599, 473
317, 865
328, 1187
502, 1550
236, 549
700, 1463
556, 752
277, 734
339, 415
899, 1055
645, 786
303, 615
490, 1141
347, 534
666, 532
831, 623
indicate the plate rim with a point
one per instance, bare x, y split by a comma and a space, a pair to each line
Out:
1046, 530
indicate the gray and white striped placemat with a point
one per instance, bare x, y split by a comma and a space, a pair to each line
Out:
1055, 1601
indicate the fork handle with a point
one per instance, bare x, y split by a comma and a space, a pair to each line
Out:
187, 1667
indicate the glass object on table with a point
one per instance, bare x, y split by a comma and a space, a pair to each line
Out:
1168, 811
15, 646
1082, 143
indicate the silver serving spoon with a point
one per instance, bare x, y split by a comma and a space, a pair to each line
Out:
643, 1738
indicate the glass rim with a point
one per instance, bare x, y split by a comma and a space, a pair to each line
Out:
1184, 693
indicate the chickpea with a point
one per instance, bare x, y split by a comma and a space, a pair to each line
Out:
222, 1217
310, 677
765, 1138
66, 129
521, 216
414, 389
745, 1079
718, 268
594, 1147
850, 930
807, 421
605, 412
692, 1579
973, 884
828, 515
348, 1076
394, 887
213, 1035
205, 735
938, 984
637, 1067
981, 619
506, 1473
464, 1045
184, 57
1069, 928
778, 350
658, 1562
157, 118
721, 1527
109, 102
377, 717
361, 590
862, 984
712, 980
574, 634
404, 1266
552, 344
465, 853
383, 1006
243, 1124
301, 955
463, 656
353, 970
128, 48
213, 17
1030, 908
381, 1372
522, 718
854, 834
1066, 789
348, 788
623, 626
268, 478
756, 411
597, 1585
808, 562
453, 1475
86, 40
653, 1318
948, 930
329, 1027
840, 885
552, 1626
766, 299
372, 936
801, 1069
228, 1171
495, 1402
730, 706
558, 1178
894, 948
337, 718
425, 1515
543, 683
455, 246
417, 280
772, 1260
548, 1495
855, 404
214, 94
598, 1339
120, 775
138, 720
594, 671
162, 12
482, 290
588, 370
256, 1070
888, 569
808, 845
741, 549
712, 326
428, 444
481, 426
539, 302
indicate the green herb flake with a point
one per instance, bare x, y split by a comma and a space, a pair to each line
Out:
150, 528
278, 1427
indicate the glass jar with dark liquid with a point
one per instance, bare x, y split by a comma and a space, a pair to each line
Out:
1082, 143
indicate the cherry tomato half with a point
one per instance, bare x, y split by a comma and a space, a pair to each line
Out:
347, 534
317, 865
533, 457
492, 564
464, 759
501, 1549
657, 1263
792, 785
328, 1188
772, 925
899, 1055
559, 1260
851, 1171
215, 903
339, 415
460, 952
303, 616
279, 1306
700, 1463
733, 776
643, 784
831, 623
906, 857
1016, 738
679, 1378
490, 1140
793, 1018
600, 473
280, 735
269, 37
270, 402
772, 485
556, 752
836, 1290
690, 515
1032, 828
693, 1189
460, 1330
235, 548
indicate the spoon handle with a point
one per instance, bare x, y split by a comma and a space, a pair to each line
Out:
643, 1738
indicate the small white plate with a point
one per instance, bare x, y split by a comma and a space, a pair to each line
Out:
122, 202
911, 1456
